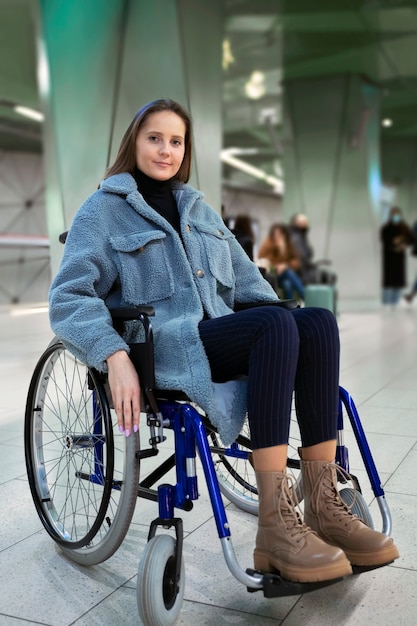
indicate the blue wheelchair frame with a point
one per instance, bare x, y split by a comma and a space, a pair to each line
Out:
190, 434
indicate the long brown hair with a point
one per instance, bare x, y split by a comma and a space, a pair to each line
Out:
126, 156
269, 250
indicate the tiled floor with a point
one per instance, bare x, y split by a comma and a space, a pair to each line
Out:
39, 586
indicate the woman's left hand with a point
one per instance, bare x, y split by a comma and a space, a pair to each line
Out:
125, 391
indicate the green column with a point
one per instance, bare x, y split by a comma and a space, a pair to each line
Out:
102, 61
332, 173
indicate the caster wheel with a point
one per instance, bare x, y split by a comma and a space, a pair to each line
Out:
159, 595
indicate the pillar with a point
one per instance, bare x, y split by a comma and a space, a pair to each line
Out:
332, 173
99, 62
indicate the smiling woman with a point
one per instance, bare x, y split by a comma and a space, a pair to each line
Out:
145, 237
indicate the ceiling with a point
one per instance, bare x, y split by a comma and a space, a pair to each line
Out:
18, 83
283, 39
290, 39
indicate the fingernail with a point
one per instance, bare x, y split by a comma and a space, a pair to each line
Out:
135, 428
122, 430
127, 433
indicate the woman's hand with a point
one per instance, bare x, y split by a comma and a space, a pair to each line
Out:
281, 267
125, 391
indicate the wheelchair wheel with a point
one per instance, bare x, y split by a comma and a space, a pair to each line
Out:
159, 595
357, 504
235, 471
83, 474
236, 474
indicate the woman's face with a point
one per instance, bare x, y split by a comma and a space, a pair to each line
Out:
160, 145
278, 237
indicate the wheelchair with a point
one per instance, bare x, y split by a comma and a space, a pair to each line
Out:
85, 479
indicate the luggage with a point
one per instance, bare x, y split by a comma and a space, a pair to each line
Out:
324, 296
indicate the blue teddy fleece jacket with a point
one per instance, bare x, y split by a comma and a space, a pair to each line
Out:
119, 252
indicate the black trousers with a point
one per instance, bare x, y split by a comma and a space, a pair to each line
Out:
280, 352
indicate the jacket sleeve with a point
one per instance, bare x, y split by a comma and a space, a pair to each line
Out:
77, 310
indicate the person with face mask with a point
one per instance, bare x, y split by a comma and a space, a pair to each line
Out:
396, 236
409, 297
311, 270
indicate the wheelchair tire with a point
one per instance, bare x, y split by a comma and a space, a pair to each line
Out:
357, 504
235, 472
83, 474
159, 597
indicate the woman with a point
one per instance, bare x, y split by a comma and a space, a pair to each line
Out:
278, 256
146, 237
243, 231
396, 236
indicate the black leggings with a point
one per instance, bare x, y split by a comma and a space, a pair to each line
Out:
280, 351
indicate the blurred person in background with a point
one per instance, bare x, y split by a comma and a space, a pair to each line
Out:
411, 295
311, 272
395, 236
299, 228
243, 232
278, 256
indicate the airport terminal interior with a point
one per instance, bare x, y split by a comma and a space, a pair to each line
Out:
298, 107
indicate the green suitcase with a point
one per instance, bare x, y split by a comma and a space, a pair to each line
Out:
323, 296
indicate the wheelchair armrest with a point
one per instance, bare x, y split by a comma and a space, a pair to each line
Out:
128, 313
141, 354
286, 304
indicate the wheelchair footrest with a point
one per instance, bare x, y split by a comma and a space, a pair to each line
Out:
274, 586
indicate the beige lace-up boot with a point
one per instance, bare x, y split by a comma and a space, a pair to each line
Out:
285, 543
330, 517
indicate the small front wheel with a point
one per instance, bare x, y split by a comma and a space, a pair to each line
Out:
159, 594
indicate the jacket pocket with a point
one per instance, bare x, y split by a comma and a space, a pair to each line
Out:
216, 243
145, 272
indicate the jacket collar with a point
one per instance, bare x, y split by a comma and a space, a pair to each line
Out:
125, 185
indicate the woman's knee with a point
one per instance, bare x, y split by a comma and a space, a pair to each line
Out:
279, 326
315, 321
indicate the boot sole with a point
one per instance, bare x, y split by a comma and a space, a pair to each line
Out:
269, 564
370, 559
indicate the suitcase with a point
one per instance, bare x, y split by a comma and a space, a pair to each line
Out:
323, 296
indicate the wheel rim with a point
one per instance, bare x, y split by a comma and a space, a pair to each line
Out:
169, 586
66, 424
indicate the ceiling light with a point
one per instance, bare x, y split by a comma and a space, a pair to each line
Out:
241, 151
255, 87
387, 122
228, 57
273, 181
28, 112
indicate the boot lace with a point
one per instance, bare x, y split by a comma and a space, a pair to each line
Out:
334, 503
290, 511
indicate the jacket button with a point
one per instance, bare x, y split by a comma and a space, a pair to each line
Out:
220, 232
188, 227
200, 273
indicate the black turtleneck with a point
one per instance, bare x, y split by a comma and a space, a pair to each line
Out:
158, 194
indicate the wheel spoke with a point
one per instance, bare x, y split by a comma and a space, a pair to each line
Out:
72, 460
